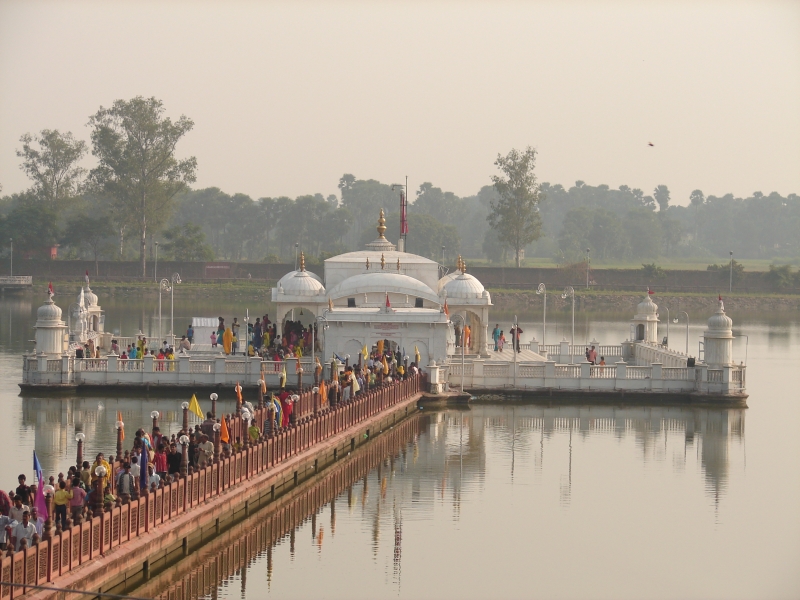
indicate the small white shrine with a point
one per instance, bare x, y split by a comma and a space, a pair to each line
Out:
88, 319
382, 293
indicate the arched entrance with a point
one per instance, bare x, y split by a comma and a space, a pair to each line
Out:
640, 332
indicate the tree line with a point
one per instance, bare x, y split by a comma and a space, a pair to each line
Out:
137, 200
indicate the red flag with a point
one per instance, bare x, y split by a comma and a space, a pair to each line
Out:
650, 292
720, 297
388, 304
446, 310
50, 289
86, 277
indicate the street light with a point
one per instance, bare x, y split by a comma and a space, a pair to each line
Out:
11, 266
154, 415
176, 278
730, 286
463, 323
587, 268
155, 269
163, 286
185, 407
675, 320
569, 291
184, 440
213, 398
542, 289
120, 428
79, 437
667, 344
296, 246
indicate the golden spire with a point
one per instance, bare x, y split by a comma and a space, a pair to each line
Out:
302, 261
381, 225
398, 264
460, 263
463, 267
368, 263
383, 260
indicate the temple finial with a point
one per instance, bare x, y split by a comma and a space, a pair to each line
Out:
398, 264
459, 266
383, 260
463, 267
381, 225
302, 261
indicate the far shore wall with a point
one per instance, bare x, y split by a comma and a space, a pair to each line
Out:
697, 281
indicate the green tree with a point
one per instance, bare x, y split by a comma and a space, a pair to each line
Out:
443, 206
135, 146
32, 224
696, 201
92, 233
187, 243
54, 166
515, 216
661, 194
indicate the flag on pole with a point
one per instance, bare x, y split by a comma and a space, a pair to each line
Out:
194, 406
403, 216
650, 292
720, 297
416, 355
122, 429
86, 278
238, 389
143, 474
37, 466
224, 436
388, 304
50, 290
365, 352
323, 392
446, 310
39, 501
385, 366
263, 382
283, 375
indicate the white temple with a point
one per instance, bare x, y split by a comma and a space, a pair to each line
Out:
381, 293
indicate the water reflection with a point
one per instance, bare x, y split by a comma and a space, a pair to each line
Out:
53, 423
456, 466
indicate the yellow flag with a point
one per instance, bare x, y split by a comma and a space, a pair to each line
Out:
385, 366
364, 352
283, 375
194, 406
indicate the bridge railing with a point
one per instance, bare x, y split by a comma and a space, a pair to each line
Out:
60, 553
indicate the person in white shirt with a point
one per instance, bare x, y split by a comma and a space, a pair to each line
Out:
153, 477
5, 522
23, 531
16, 511
135, 470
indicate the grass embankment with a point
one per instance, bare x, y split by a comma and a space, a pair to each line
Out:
757, 265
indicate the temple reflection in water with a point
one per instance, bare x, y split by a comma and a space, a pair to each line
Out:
427, 464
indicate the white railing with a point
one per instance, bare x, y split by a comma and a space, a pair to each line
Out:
638, 372
609, 350
137, 364
677, 373
54, 366
550, 348
455, 369
16, 280
531, 371
715, 376
91, 364
603, 372
272, 366
238, 367
495, 370
201, 366
568, 371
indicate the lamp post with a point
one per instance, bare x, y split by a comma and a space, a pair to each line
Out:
685, 314
515, 347
296, 246
176, 278
120, 428
185, 407
155, 269
101, 473
154, 415
463, 322
163, 286
569, 291
730, 286
542, 289
667, 344
217, 428
79, 437
213, 398
11, 255
587, 268
246, 420
314, 337
184, 440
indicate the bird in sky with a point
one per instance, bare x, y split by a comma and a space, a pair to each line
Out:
650, 144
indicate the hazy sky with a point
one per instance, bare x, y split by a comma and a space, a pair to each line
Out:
288, 96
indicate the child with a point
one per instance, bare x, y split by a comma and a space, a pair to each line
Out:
213, 339
501, 341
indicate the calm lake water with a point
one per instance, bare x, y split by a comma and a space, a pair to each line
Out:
506, 501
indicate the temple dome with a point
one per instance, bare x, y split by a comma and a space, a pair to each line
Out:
647, 308
282, 281
48, 312
447, 279
301, 283
464, 286
719, 321
90, 297
382, 281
